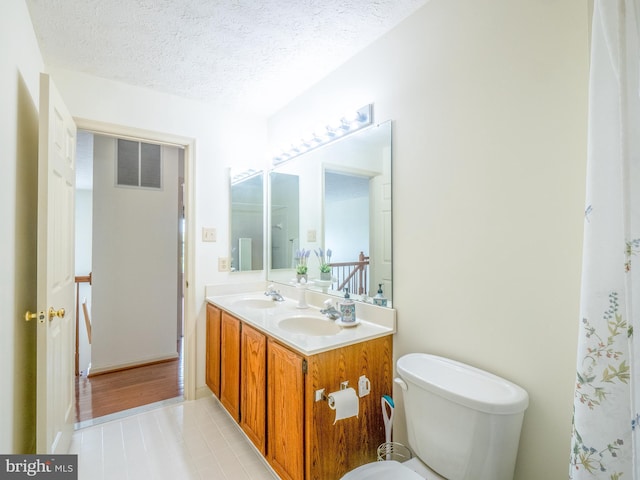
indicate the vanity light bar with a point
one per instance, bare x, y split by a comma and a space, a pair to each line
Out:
245, 174
359, 119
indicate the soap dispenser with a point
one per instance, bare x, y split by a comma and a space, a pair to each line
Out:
347, 308
380, 299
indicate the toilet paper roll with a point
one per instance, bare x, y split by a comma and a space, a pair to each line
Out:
345, 403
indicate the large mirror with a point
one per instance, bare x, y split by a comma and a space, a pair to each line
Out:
337, 199
247, 221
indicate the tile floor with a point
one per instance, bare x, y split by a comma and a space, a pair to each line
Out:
185, 440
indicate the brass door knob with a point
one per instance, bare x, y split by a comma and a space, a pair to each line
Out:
56, 313
32, 316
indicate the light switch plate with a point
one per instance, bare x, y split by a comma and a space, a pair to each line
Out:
311, 235
209, 234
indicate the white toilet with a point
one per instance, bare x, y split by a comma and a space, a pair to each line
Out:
462, 422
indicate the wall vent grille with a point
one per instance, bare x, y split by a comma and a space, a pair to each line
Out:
139, 164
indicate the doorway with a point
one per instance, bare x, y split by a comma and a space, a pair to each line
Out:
130, 235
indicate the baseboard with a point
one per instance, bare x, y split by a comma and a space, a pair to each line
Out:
127, 366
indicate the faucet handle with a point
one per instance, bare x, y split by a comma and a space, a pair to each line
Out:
328, 303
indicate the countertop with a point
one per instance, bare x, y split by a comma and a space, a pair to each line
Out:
267, 319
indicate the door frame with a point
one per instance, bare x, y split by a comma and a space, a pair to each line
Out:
189, 333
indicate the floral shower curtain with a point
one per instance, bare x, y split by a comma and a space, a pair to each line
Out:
605, 440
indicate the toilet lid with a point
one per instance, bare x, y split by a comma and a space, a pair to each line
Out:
382, 470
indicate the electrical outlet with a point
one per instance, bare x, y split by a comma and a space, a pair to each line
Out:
223, 264
364, 386
209, 234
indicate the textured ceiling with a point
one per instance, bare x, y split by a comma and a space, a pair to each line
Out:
250, 54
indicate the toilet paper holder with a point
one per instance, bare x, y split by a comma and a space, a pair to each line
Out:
322, 396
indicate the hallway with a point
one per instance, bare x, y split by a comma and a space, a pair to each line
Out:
114, 392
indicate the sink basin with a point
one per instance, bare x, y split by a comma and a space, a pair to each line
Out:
255, 302
308, 325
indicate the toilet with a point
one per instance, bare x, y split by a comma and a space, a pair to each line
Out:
462, 423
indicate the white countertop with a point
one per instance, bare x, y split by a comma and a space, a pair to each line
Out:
267, 319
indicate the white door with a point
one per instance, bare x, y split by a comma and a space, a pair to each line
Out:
56, 276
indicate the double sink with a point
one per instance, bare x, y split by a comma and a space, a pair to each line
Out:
306, 330
297, 323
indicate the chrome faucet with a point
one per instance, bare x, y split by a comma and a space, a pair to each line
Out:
274, 294
330, 311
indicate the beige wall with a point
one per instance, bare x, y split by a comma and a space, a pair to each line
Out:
489, 103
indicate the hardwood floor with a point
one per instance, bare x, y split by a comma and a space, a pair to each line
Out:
113, 392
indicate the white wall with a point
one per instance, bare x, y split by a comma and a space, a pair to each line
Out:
84, 223
347, 224
135, 247
489, 102
20, 65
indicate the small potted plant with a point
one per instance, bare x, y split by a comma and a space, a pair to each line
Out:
301, 264
324, 258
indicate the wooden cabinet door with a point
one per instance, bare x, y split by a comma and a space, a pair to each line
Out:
285, 412
230, 365
253, 385
351, 441
213, 349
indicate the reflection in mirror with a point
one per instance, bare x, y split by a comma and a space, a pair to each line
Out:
284, 219
247, 226
344, 196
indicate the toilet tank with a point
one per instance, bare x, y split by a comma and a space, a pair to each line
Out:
463, 422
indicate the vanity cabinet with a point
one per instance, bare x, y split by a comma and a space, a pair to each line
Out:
303, 440
285, 404
332, 450
278, 396
253, 381
212, 368
236, 355
230, 364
